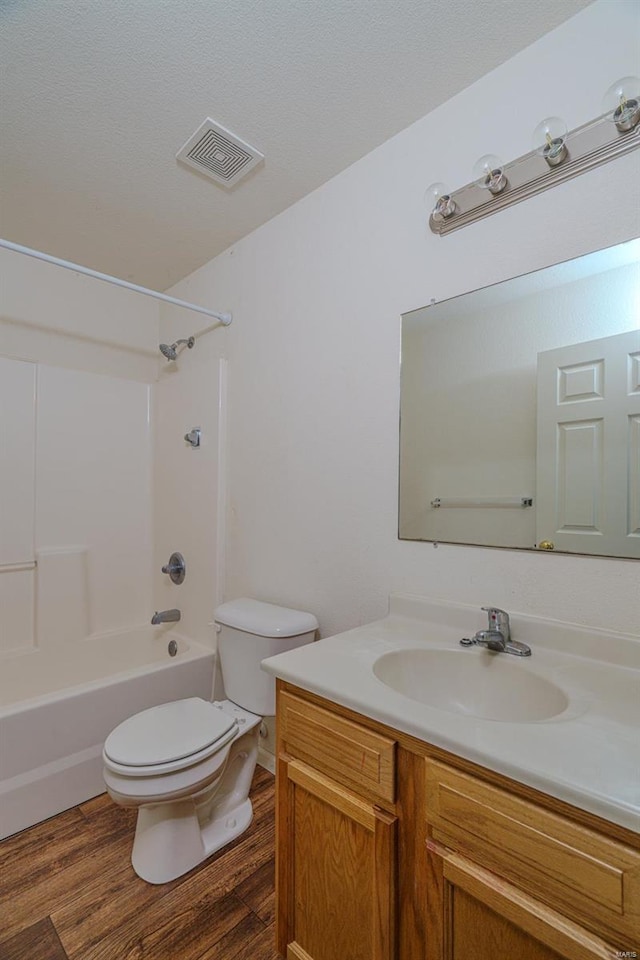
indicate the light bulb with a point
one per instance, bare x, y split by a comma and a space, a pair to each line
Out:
488, 173
622, 103
438, 199
549, 140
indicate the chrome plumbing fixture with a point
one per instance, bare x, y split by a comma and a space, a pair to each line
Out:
170, 350
176, 568
193, 437
498, 635
165, 616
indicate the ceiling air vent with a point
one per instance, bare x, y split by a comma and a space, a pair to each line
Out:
218, 154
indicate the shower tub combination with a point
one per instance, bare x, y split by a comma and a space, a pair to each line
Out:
59, 703
58, 706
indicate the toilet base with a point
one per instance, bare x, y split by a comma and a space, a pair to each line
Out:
174, 835
170, 841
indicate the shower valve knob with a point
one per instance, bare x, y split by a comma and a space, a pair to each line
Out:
193, 437
176, 568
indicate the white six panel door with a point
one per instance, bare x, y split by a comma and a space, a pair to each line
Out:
588, 450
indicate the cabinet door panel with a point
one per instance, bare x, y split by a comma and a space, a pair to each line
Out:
336, 872
480, 934
482, 917
346, 751
596, 879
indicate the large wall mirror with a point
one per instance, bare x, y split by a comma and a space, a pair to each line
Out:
520, 412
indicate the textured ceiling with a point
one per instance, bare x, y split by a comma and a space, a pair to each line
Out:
98, 96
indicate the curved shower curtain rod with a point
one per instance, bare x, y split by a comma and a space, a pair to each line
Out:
224, 318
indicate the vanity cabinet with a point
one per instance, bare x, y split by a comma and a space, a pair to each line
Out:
514, 878
341, 872
391, 849
336, 836
475, 915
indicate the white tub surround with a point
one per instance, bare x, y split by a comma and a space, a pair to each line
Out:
58, 705
63, 612
587, 755
75, 517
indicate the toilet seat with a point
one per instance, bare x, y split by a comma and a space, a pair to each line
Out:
168, 738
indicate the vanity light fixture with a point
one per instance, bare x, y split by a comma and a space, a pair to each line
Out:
558, 155
549, 140
488, 173
622, 103
438, 198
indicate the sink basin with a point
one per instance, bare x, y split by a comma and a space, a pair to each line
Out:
472, 682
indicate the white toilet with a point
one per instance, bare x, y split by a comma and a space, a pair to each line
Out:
188, 765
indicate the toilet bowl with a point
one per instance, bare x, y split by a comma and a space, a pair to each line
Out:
187, 765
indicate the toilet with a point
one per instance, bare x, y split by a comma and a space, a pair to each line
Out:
187, 765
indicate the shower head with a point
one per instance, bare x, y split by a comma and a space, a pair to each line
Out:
170, 350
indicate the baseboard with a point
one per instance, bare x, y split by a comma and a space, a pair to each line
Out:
266, 760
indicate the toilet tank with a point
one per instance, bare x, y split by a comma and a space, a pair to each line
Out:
249, 632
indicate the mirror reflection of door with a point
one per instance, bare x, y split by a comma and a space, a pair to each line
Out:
468, 412
588, 447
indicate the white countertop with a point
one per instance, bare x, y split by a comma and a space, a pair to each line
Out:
589, 755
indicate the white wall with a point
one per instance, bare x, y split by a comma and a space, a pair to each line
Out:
317, 295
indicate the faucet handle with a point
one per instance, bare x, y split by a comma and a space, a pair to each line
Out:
176, 568
497, 618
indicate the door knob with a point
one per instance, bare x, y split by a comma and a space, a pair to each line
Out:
546, 545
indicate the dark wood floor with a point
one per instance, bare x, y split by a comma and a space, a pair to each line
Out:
68, 892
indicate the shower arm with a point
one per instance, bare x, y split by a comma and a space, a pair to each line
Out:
223, 318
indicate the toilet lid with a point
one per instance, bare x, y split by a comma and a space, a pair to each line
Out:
171, 731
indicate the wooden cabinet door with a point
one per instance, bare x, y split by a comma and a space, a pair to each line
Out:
474, 915
335, 871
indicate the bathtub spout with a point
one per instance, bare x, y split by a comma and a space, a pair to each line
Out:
165, 616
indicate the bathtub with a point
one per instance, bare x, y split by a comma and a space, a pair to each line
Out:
58, 706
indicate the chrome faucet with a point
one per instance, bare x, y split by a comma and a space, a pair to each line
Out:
165, 616
498, 623
498, 635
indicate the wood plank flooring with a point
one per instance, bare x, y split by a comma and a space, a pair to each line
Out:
68, 892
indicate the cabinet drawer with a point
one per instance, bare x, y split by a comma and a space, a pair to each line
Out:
344, 750
578, 871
